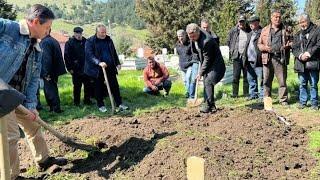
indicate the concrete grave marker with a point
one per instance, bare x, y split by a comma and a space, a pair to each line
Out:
195, 168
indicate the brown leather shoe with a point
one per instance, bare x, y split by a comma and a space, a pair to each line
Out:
51, 161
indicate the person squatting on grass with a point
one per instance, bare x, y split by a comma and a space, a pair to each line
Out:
212, 64
101, 53
306, 49
20, 66
155, 76
252, 59
275, 47
188, 65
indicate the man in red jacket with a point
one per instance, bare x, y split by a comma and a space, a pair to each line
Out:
155, 77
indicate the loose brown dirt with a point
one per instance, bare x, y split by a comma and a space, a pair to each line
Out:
235, 143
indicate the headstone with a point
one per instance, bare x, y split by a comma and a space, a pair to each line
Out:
140, 52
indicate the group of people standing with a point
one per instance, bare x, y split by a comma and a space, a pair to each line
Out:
259, 53
84, 59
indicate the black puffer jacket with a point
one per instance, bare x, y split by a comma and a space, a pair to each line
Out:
52, 60
312, 45
74, 55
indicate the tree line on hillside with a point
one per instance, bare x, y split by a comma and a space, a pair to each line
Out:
117, 11
164, 17
7, 11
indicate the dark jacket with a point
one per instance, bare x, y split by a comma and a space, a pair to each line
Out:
185, 56
74, 55
215, 37
258, 62
233, 42
52, 60
93, 58
210, 55
312, 46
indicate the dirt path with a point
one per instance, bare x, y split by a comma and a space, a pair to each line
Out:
236, 144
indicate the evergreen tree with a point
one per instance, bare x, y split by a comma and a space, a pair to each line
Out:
313, 9
6, 10
165, 17
288, 9
227, 16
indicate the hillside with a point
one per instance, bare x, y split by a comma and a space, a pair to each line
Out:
122, 34
60, 3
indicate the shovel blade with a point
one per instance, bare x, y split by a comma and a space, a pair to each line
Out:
194, 102
9, 100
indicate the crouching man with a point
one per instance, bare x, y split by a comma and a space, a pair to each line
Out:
212, 65
20, 66
155, 77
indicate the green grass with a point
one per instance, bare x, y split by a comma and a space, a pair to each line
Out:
131, 84
314, 147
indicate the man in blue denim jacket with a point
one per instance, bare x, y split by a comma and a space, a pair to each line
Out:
20, 64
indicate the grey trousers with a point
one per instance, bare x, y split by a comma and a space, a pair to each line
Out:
275, 67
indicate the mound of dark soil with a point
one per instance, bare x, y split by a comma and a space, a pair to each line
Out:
236, 144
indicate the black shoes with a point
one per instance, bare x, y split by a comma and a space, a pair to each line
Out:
205, 108
301, 106
50, 161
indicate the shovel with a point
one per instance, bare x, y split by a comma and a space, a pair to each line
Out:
109, 90
11, 99
195, 102
268, 107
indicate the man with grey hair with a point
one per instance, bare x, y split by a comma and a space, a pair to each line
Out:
20, 67
101, 53
237, 39
205, 25
306, 49
187, 64
212, 65
274, 45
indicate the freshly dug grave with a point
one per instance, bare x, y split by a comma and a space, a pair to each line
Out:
235, 143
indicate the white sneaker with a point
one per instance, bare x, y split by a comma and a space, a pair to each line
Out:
102, 109
122, 107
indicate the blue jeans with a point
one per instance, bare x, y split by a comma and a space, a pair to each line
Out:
255, 78
166, 85
190, 79
313, 78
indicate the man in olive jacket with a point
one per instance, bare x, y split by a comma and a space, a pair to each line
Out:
306, 49
274, 45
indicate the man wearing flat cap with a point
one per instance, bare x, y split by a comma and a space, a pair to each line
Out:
252, 57
237, 39
74, 55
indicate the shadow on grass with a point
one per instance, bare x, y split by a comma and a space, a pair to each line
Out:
130, 153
